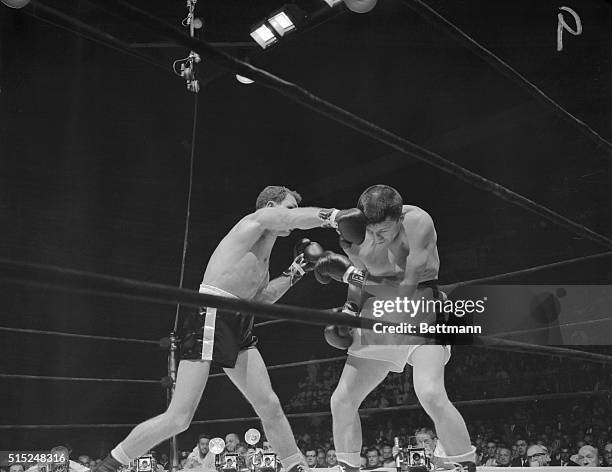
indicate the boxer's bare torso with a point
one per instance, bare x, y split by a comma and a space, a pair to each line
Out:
240, 263
389, 260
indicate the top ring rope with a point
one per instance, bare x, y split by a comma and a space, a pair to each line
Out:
496, 277
527, 271
340, 115
75, 335
86, 282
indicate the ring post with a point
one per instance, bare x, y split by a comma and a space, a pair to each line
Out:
172, 367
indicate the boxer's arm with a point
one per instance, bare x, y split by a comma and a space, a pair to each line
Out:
286, 219
356, 294
275, 289
421, 242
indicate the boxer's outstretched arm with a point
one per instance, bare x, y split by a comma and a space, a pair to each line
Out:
286, 219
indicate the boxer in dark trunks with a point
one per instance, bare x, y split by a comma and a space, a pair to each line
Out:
238, 268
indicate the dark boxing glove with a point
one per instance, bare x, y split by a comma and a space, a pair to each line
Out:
306, 253
350, 224
332, 266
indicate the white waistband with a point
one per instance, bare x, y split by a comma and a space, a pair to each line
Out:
209, 289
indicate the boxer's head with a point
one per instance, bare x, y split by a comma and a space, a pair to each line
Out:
278, 196
382, 206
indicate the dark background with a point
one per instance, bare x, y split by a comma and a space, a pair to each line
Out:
94, 162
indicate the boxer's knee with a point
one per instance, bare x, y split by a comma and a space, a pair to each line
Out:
180, 422
176, 421
341, 402
431, 395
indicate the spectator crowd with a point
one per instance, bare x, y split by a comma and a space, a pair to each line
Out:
518, 429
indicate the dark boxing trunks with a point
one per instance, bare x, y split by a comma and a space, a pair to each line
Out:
216, 335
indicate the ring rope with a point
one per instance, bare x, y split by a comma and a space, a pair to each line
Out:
528, 271
68, 279
494, 278
564, 325
76, 379
148, 381
80, 281
74, 335
364, 411
417, 406
324, 360
340, 115
436, 18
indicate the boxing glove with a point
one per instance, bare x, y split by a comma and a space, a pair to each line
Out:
338, 338
333, 266
350, 224
341, 337
306, 253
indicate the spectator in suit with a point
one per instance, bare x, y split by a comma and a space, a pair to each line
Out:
311, 458
488, 458
607, 455
321, 462
521, 459
16, 468
387, 456
428, 440
201, 457
231, 442
155, 467
587, 456
561, 458
504, 457
373, 459
330, 458
538, 456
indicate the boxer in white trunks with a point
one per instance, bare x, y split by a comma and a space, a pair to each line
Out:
397, 258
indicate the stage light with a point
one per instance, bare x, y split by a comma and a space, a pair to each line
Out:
16, 3
278, 24
243, 80
263, 35
287, 19
333, 3
281, 23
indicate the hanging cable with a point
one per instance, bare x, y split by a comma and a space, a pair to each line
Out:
188, 72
